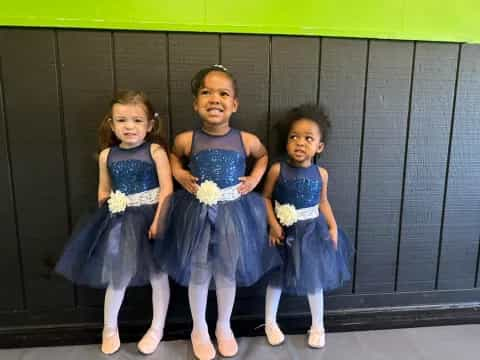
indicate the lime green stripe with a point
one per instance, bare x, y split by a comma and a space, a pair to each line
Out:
386, 19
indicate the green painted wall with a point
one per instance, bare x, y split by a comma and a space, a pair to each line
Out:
437, 20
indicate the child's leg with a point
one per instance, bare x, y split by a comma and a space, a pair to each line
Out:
316, 338
227, 345
225, 290
272, 299
113, 302
197, 297
316, 308
160, 299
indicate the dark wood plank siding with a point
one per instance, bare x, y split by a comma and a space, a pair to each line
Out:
87, 86
460, 237
32, 111
430, 120
342, 92
386, 115
11, 264
403, 155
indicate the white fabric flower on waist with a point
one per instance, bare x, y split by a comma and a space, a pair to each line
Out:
117, 202
208, 193
286, 214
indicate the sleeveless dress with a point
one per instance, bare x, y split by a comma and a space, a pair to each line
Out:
310, 260
229, 239
112, 246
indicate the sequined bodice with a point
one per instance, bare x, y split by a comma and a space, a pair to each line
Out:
132, 170
218, 158
298, 186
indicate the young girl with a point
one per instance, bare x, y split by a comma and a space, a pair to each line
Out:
218, 226
112, 250
314, 250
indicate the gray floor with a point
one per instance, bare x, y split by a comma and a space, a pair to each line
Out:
436, 343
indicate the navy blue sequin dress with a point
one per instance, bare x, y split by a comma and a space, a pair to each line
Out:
311, 262
228, 239
113, 248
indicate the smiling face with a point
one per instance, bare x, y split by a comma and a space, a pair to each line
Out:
130, 124
304, 142
216, 101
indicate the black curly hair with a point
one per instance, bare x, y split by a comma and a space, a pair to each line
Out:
198, 79
311, 112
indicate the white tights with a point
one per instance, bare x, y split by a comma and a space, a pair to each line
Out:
315, 302
160, 298
197, 296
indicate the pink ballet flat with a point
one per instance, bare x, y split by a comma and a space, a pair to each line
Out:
150, 341
110, 341
275, 336
227, 345
203, 348
316, 338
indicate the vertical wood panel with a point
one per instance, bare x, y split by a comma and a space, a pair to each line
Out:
387, 103
294, 80
10, 264
461, 231
248, 56
188, 53
87, 87
141, 63
342, 85
431, 113
36, 145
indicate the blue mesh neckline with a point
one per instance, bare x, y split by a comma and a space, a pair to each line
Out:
132, 148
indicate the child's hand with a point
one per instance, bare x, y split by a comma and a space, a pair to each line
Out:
334, 237
188, 181
276, 235
152, 232
247, 184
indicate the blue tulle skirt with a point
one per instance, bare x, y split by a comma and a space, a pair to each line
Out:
228, 240
311, 262
110, 249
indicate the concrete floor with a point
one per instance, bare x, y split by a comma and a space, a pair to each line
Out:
461, 342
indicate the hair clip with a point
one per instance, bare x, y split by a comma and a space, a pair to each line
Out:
220, 67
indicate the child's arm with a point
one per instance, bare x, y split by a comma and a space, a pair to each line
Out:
254, 148
165, 181
326, 209
181, 149
104, 183
276, 232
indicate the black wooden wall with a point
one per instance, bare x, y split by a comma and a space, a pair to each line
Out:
403, 157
